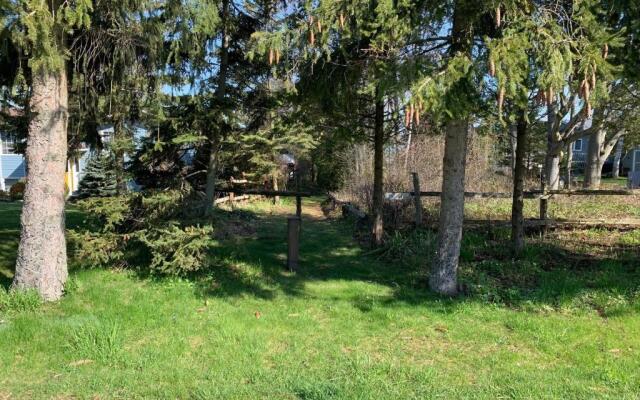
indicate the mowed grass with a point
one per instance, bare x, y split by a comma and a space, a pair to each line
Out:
350, 325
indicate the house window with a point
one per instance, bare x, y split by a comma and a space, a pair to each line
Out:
636, 159
577, 145
8, 143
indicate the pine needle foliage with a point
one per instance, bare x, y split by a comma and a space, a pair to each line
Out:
99, 179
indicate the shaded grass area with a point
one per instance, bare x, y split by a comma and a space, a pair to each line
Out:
561, 322
10, 236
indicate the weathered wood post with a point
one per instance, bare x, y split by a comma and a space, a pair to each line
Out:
417, 201
293, 239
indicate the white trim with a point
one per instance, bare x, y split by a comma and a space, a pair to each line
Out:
575, 148
3, 185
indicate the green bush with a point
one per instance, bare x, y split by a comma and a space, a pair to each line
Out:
16, 192
175, 250
142, 229
97, 249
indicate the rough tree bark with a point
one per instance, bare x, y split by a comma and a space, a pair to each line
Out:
377, 228
595, 160
214, 137
443, 278
618, 158
444, 275
517, 210
42, 257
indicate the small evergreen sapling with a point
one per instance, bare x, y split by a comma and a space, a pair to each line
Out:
99, 179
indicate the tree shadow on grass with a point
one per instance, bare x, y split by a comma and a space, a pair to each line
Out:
548, 275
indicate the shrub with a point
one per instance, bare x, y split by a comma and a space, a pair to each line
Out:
16, 192
142, 229
99, 179
175, 250
97, 249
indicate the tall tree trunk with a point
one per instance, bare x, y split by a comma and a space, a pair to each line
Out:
517, 209
42, 254
443, 278
552, 171
377, 228
513, 145
569, 164
121, 183
594, 162
617, 158
274, 182
554, 149
444, 275
215, 135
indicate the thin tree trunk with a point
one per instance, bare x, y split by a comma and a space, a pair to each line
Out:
617, 158
42, 257
554, 148
517, 210
513, 140
214, 139
121, 183
408, 150
569, 165
274, 182
552, 169
443, 278
377, 228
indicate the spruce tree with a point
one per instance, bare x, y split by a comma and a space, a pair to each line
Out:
99, 179
38, 29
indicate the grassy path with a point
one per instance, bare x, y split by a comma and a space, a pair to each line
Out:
346, 327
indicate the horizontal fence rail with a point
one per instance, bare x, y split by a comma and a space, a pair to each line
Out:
260, 192
529, 194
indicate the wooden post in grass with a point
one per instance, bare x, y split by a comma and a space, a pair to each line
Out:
293, 239
416, 199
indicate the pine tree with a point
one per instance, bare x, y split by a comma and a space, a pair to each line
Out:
99, 179
38, 29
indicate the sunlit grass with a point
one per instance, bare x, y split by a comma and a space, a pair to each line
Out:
351, 324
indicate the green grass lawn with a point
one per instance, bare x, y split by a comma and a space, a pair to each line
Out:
350, 325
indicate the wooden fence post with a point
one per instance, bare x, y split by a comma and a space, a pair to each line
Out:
416, 199
293, 239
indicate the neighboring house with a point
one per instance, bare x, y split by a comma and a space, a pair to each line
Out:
13, 166
630, 161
